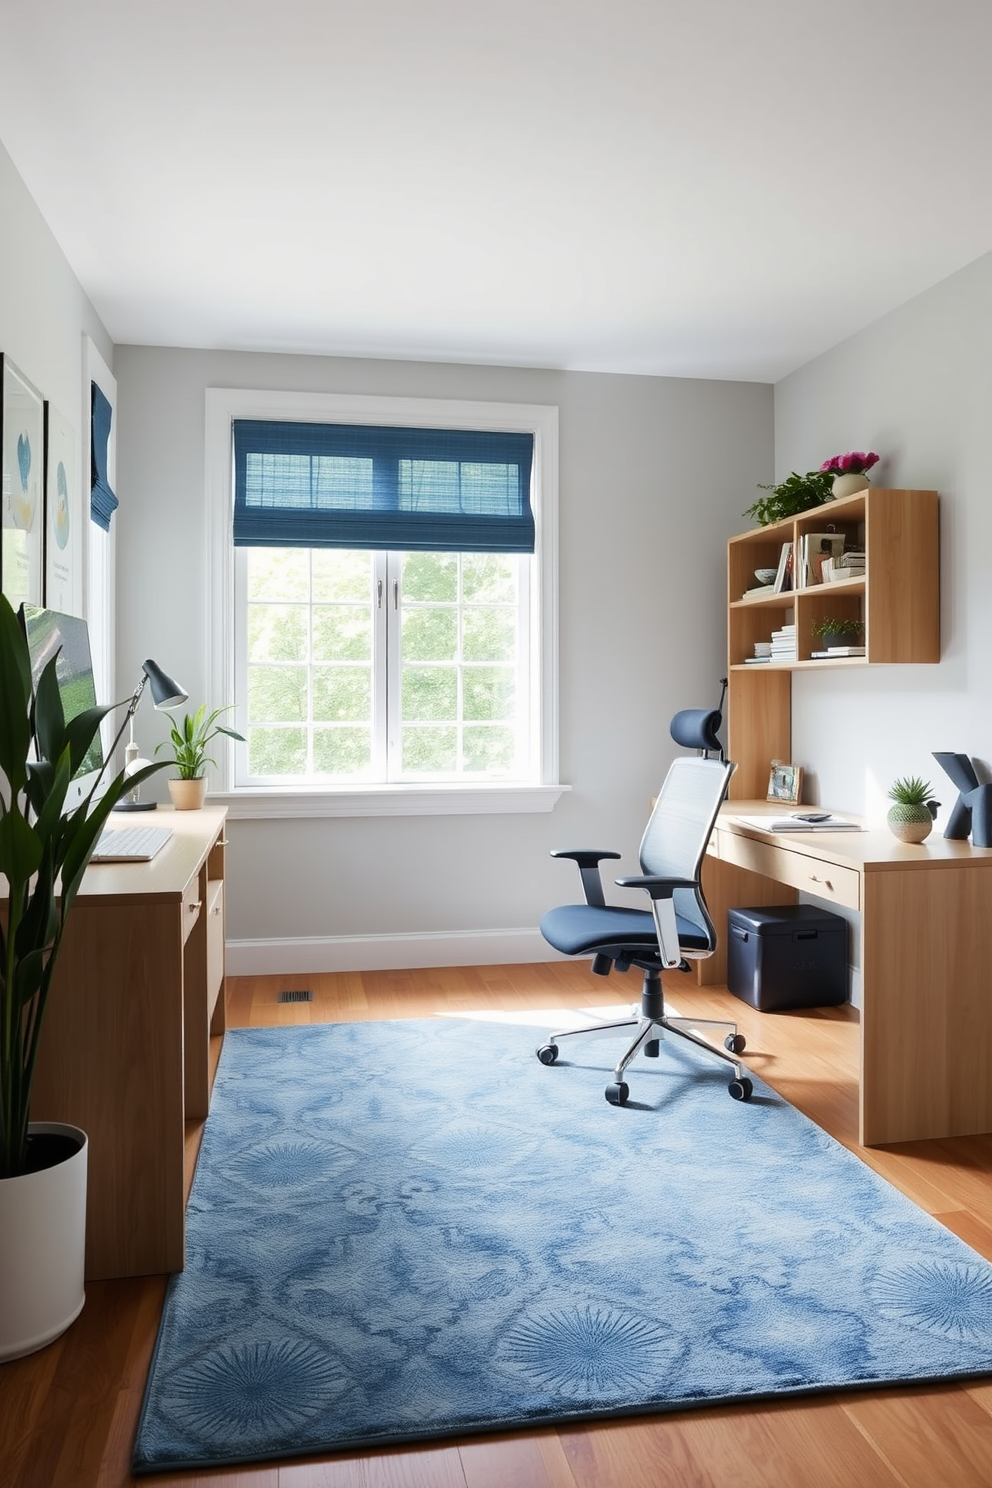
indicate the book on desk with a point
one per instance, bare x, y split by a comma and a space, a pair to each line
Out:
828, 823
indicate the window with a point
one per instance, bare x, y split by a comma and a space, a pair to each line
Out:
364, 666
389, 602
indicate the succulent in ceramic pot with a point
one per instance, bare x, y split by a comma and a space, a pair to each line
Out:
911, 818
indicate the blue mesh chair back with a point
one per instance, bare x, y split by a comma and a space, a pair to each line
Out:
679, 828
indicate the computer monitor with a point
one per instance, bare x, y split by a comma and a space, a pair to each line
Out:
49, 634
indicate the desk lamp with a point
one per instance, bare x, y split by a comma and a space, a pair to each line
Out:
166, 694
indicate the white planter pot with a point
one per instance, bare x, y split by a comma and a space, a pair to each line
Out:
848, 483
188, 795
42, 1249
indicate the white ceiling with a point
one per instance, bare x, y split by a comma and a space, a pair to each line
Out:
707, 188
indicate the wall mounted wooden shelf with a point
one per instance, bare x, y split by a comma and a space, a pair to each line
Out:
897, 598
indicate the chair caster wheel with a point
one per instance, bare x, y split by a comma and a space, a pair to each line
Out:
617, 1094
652, 1049
548, 1053
741, 1089
735, 1042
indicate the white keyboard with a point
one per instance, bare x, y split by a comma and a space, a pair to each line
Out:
130, 844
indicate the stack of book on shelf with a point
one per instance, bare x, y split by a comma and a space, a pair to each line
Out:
839, 651
783, 645
762, 652
816, 549
849, 565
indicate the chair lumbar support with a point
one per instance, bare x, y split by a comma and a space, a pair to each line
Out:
676, 929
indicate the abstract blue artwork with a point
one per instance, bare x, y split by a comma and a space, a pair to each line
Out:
413, 1229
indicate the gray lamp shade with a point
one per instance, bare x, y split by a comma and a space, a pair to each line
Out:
166, 691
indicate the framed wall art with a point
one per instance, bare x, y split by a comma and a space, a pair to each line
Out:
22, 500
63, 516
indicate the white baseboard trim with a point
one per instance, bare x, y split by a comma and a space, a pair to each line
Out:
387, 952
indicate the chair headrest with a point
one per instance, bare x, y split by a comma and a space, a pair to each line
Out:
696, 728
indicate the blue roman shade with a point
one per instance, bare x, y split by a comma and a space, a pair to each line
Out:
365, 486
103, 502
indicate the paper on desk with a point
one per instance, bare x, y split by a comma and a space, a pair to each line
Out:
792, 824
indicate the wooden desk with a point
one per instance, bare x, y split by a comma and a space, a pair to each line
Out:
138, 990
926, 916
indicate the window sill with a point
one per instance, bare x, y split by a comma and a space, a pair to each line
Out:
386, 800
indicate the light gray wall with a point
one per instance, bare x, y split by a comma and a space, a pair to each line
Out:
43, 310
917, 388
654, 475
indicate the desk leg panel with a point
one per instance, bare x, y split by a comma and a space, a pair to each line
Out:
111, 1061
726, 887
926, 1025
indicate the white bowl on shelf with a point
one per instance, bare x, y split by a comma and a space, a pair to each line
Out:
765, 575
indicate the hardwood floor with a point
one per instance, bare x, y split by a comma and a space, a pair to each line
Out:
68, 1413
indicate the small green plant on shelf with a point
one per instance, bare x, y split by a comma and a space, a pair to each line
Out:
797, 493
190, 739
851, 630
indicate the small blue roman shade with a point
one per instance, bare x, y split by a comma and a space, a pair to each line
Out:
366, 486
103, 502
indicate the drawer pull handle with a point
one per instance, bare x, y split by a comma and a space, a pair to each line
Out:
216, 909
825, 881
195, 905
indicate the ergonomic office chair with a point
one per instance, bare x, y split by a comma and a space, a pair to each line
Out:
676, 930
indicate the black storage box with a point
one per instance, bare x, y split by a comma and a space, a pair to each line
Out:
787, 956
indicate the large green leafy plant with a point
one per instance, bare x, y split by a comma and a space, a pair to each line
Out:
797, 493
44, 852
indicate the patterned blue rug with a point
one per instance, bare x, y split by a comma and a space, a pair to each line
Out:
413, 1229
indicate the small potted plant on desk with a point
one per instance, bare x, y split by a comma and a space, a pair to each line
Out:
189, 742
911, 818
45, 848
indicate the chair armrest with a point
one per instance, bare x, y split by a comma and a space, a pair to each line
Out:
658, 888
588, 860
662, 891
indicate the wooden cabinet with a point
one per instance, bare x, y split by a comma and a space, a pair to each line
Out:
898, 600
137, 993
926, 1019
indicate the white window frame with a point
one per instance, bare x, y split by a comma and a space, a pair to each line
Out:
223, 405
386, 666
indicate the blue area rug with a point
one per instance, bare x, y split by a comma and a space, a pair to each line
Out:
413, 1229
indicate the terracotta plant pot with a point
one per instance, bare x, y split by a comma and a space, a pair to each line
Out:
188, 795
43, 1224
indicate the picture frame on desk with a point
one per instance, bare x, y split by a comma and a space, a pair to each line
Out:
785, 783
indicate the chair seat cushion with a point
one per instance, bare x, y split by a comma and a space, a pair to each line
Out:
576, 928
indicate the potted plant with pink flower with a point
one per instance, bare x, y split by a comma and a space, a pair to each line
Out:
850, 471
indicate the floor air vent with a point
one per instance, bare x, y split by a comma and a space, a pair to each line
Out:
299, 994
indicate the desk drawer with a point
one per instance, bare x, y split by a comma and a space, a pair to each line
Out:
825, 880
192, 906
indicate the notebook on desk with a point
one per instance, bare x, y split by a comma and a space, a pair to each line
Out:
795, 824
130, 844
